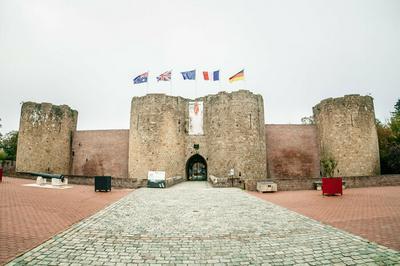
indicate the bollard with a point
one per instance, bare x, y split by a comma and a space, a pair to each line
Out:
1, 174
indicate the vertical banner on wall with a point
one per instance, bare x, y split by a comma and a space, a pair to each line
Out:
195, 118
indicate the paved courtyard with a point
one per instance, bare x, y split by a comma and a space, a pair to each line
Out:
192, 223
29, 216
372, 212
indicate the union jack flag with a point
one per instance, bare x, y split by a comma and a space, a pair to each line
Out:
166, 76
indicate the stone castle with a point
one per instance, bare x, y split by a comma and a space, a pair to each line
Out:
222, 138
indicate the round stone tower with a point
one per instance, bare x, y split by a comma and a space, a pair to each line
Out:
347, 133
45, 138
157, 136
236, 137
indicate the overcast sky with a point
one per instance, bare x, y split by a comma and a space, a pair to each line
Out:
295, 53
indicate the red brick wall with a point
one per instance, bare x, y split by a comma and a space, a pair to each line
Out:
100, 152
292, 151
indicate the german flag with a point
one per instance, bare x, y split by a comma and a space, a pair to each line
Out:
237, 76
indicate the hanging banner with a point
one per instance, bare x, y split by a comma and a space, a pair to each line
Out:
196, 118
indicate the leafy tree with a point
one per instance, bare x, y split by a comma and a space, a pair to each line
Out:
395, 122
328, 166
3, 155
8, 143
389, 142
393, 160
397, 108
308, 120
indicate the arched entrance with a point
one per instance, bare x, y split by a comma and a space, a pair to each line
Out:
196, 168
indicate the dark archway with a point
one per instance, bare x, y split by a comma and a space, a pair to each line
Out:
196, 168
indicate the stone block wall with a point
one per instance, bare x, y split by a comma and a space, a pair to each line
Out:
292, 151
45, 138
100, 152
157, 136
236, 135
347, 133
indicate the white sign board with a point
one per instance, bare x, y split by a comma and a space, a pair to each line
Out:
231, 172
196, 118
156, 176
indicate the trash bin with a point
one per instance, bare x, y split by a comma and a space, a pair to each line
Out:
102, 183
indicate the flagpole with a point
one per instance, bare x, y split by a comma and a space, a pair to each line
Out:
195, 79
219, 80
245, 80
170, 82
148, 78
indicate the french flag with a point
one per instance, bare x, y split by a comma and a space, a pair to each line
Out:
215, 75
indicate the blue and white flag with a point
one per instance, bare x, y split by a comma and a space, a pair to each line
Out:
189, 75
141, 78
216, 75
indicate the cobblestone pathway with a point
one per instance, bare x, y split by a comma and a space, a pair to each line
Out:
193, 223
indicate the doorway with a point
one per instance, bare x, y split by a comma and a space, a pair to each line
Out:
196, 168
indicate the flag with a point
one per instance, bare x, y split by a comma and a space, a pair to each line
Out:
166, 76
141, 78
189, 75
205, 75
237, 76
216, 75
196, 107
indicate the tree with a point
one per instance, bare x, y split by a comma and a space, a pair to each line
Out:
308, 120
8, 143
397, 108
389, 142
3, 155
395, 122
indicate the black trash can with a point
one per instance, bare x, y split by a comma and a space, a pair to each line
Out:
102, 183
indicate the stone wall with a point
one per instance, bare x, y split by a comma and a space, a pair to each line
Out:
234, 135
292, 151
235, 131
351, 182
101, 152
157, 136
347, 133
45, 138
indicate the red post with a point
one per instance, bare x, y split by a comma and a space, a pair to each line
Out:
1, 174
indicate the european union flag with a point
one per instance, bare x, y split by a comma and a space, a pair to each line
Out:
141, 78
189, 75
216, 75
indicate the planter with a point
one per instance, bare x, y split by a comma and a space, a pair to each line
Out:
102, 183
332, 186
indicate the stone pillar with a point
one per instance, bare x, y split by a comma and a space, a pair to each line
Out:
45, 138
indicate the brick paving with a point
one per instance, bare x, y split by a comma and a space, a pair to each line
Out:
373, 213
192, 223
29, 215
